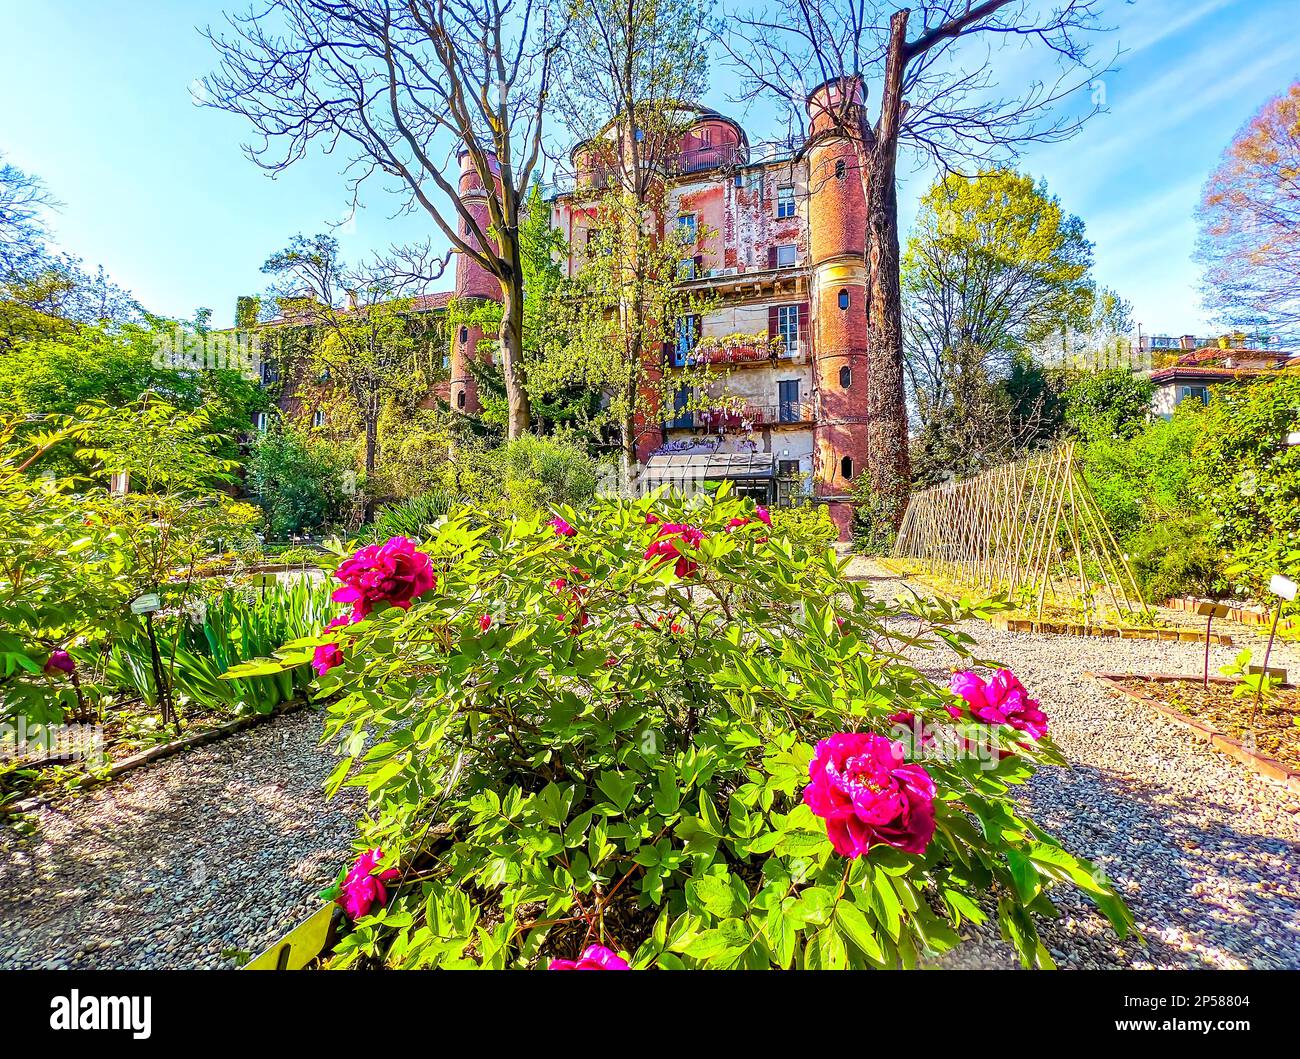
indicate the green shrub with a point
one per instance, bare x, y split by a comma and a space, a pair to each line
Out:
301, 480
1143, 484
1248, 478
1113, 403
608, 734
532, 474
807, 525
1174, 557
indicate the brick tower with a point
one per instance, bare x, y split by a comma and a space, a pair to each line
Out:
837, 216
473, 283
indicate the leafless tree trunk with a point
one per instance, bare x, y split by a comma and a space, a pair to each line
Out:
928, 102
406, 84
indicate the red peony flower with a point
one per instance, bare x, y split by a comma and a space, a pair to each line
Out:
593, 958
562, 528
59, 662
868, 796
1002, 699
329, 655
485, 623
362, 889
391, 574
673, 542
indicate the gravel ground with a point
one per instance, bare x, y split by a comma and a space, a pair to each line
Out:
216, 850
1205, 851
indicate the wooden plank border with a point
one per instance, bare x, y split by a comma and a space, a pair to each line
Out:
1267, 767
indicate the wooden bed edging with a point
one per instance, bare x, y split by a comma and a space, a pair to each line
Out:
1267, 767
162, 750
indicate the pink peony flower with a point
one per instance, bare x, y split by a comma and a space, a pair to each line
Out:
651, 519
59, 662
392, 574
673, 540
485, 623
562, 528
763, 516
326, 657
1002, 699
362, 889
593, 958
329, 655
868, 796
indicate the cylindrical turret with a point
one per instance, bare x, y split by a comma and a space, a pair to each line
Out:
473, 282
837, 217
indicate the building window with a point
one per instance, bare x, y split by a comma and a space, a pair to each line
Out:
787, 326
846, 377
464, 335
846, 467
686, 268
844, 299
706, 137
688, 333
446, 361
318, 418
839, 169
787, 255
785, 201
460, 399
787, 394
686, 229
787, 468
1195, 393
260, 421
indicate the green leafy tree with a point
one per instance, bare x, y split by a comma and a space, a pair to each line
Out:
993, 265
1249, 478
557, 402
627, 81
360, 338
1113, 403
301, 480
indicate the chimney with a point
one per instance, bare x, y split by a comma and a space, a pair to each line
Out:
1187, 342
352, 299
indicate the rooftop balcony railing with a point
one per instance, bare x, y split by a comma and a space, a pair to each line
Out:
745, 419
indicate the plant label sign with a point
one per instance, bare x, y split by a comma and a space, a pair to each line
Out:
1212, 610
146, 604
1282, 586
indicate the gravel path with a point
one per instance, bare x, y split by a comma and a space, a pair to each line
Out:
216, 850
221, 849
1206, 852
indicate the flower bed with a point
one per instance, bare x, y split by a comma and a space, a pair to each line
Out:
1270, 745
658, 734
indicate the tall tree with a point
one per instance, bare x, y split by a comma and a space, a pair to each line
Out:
1250, 221
362, 338
23, 200
555, 401
406, 85
632, 71
993, 264
931, 99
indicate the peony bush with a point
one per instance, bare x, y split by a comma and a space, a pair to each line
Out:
660, 734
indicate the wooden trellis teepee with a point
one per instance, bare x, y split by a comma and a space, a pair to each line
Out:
1030, 530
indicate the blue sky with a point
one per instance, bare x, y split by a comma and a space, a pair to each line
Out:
98, 103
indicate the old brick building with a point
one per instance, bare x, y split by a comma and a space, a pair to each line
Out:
776, 235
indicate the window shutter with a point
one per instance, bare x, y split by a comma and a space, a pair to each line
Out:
803, 328
699, 264
772, 323
771, 257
